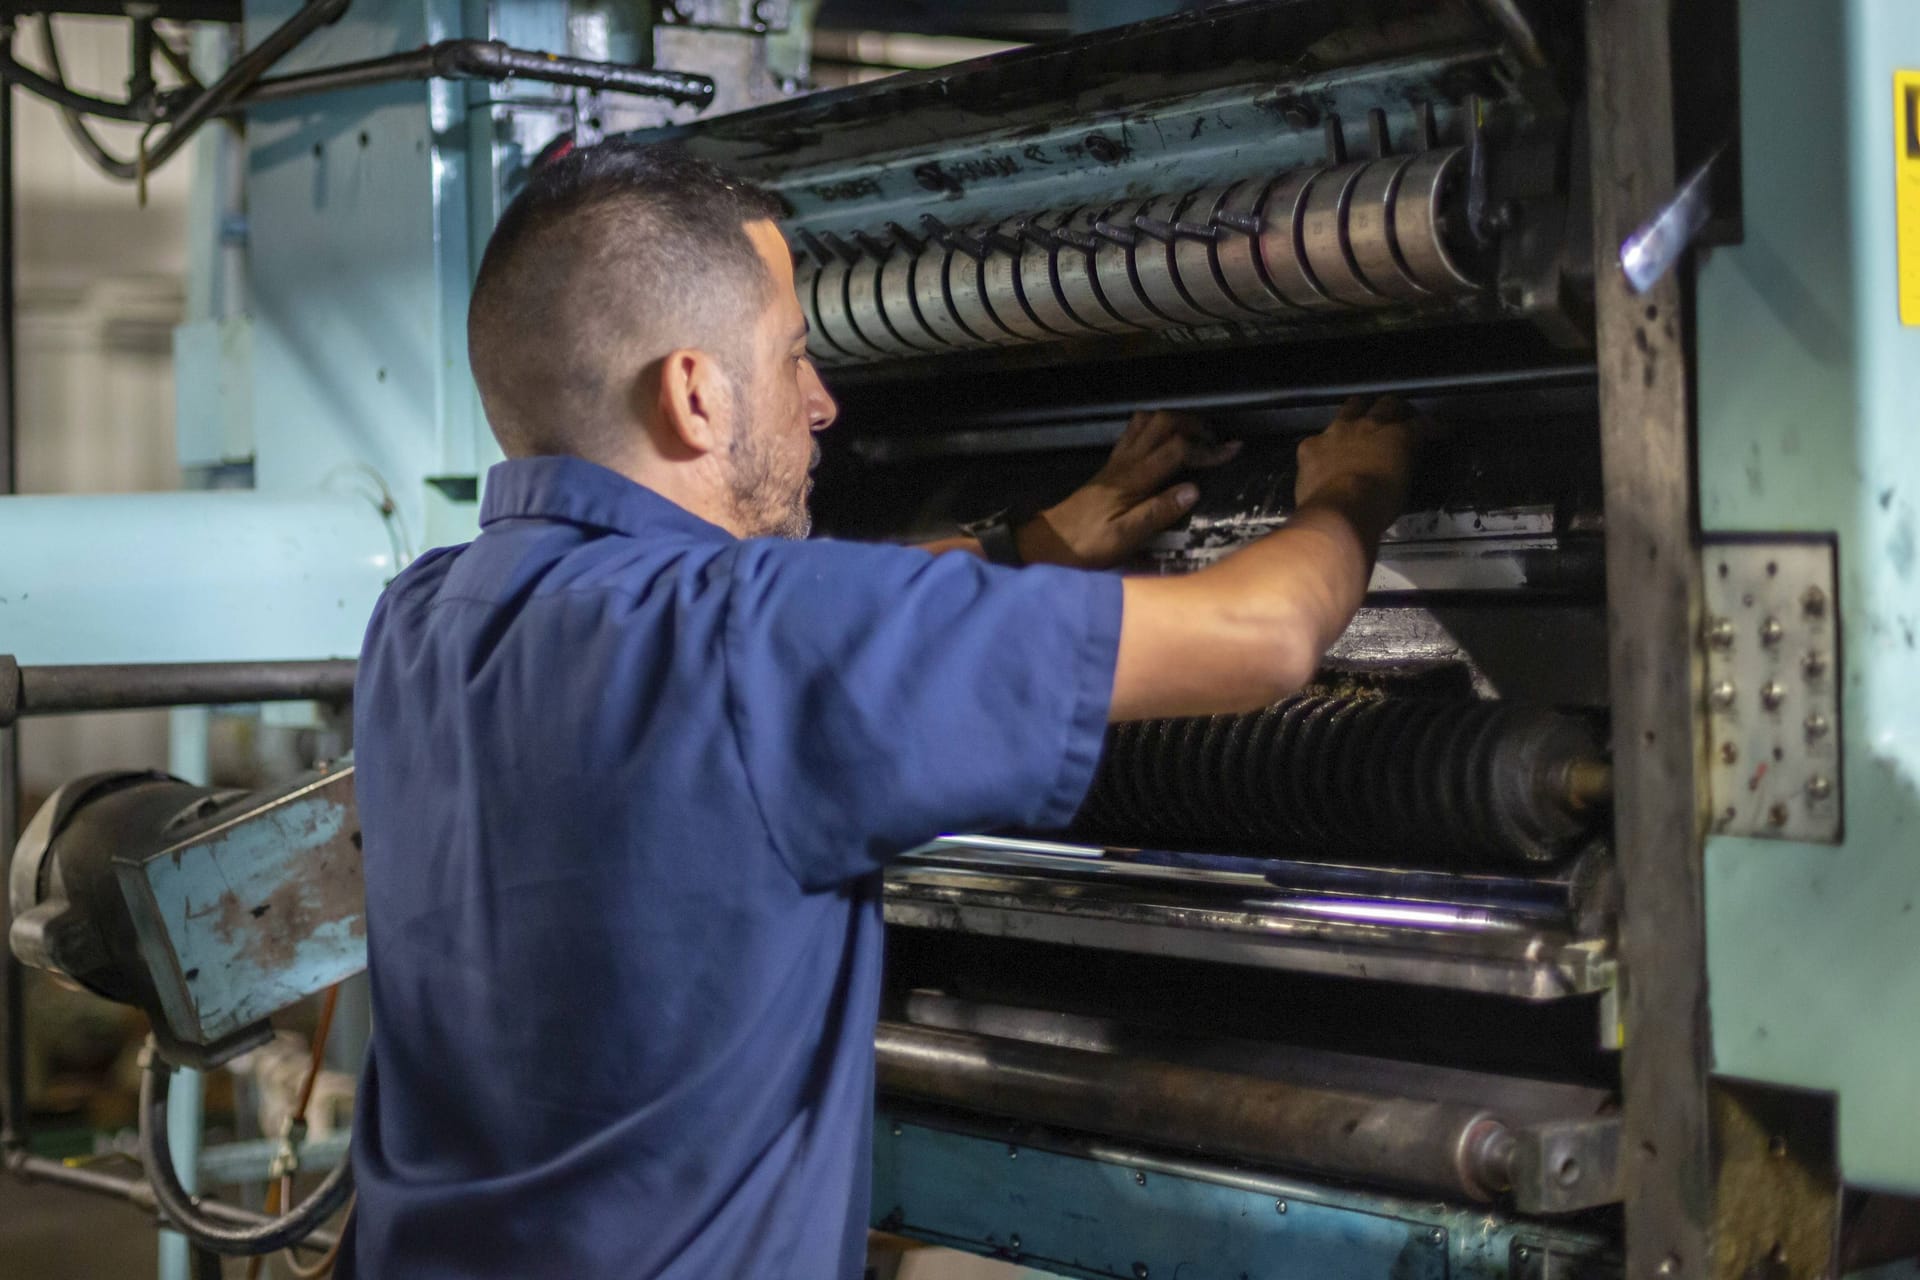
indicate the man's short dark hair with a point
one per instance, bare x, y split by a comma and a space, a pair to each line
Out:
609, 258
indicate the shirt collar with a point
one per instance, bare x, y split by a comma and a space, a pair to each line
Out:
581, 492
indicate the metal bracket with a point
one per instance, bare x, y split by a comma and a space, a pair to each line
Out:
1772, 639
756, 16
1562, 1166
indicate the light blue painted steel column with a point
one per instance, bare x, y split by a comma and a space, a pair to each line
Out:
1810, 421
190, 577
186, 1104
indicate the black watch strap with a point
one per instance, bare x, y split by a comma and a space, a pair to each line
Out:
997, 537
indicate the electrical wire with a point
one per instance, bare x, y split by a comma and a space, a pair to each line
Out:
281, 1192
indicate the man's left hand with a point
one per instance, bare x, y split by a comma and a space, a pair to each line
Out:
1106, 520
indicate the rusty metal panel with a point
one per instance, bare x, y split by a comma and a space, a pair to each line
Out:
250, 912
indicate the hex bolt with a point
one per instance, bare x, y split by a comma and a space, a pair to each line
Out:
1817, 726
1724, 694
1437, 1236
1522, 1253
1814, 665
1139, 1271
1013, 1153
1013, 1242
1280, 1207
1721, 633
1771, 632
1813, 602
1139, 1178
1670, 1265
1819, 786
1777, 816
1729, 753
1772, 694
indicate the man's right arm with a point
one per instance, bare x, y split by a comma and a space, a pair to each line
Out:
1251, 630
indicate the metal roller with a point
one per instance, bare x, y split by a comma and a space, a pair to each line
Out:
929, 276
1000, 284
1421, 780
1154, 271
1039, 285
897, 305
806, 272
866, 311
1420, 217
830, 307
1194, 256
1323, 237
1073, 272
1455, 1149
1370, 231
967, 292
1113, 266
1282, 245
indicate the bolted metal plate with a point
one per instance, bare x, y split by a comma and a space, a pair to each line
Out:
1772, 639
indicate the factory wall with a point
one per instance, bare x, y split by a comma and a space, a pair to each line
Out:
100, 289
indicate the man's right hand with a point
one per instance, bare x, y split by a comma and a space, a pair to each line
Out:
1360, 463
1252, 629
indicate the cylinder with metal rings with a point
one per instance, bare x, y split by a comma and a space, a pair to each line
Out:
1311, 242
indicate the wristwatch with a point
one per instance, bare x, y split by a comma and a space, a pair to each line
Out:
998, 538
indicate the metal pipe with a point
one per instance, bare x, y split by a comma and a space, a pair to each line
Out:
31, 691
485, 60
13, 1013
246, 69
1443, 1148
138, 1193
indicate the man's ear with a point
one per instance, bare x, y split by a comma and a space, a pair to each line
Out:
695, 406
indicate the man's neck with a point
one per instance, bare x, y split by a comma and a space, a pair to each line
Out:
685, 484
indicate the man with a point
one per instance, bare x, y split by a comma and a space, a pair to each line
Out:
630, 762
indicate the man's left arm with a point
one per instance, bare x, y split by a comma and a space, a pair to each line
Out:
1106, 520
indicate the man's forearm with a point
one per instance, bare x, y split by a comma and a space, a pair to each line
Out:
941, 546
1314, 571
1253, 628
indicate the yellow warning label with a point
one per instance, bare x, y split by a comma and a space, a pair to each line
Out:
1906, 189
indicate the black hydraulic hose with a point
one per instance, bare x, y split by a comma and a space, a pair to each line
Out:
185, 1214
56, 92
136, 1193
90, 146
184, 123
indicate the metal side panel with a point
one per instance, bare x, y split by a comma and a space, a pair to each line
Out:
358, 266
1809, 421
1096, 1211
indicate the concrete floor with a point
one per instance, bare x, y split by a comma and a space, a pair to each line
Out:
47, 1233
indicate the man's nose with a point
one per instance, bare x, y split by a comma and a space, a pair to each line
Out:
821, 409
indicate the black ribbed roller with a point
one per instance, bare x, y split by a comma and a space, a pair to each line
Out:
1392, 779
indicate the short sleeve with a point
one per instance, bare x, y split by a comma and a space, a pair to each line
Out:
884, 696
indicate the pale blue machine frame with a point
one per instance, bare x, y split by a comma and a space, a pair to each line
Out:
344, 384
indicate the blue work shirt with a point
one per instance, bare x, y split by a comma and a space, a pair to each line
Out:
625, 784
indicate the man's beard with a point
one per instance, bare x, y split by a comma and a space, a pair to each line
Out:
766, 504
